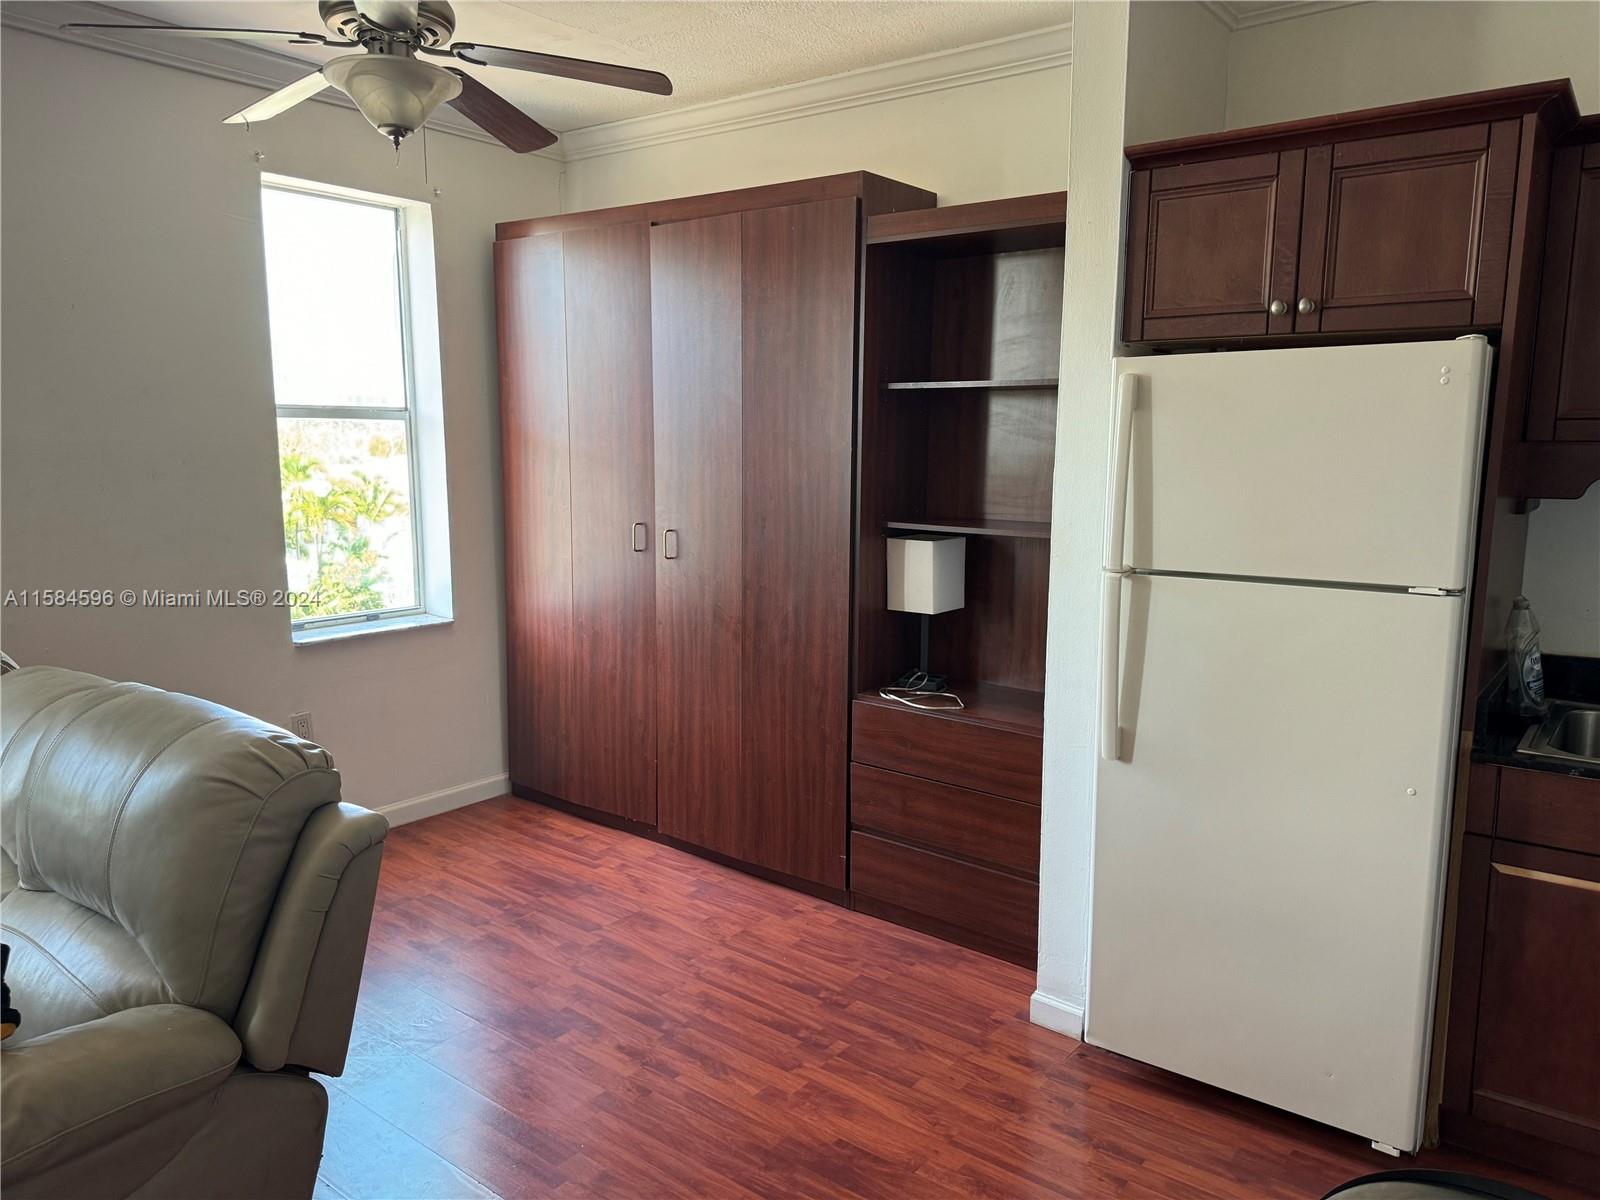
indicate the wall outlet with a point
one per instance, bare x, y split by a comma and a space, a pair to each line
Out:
300, 725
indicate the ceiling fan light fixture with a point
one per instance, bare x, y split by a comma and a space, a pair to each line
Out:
394, 93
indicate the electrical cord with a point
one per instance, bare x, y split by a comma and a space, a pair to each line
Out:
914, 688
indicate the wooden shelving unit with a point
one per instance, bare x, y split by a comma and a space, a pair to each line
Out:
961, 333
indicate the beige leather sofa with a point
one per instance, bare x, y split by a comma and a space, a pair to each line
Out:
187, 906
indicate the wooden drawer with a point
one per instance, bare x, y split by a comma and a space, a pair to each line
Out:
1547, 809
1001, 762
941, 817
992, 904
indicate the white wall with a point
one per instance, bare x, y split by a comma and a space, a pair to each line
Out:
1561, 574
1400, 50
1001, 137
139, 441
1125, 87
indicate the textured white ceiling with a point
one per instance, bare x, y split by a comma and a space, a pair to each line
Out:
711, 50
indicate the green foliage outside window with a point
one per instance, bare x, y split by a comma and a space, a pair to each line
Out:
330, 521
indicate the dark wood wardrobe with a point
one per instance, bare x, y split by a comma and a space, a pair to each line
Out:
678, 405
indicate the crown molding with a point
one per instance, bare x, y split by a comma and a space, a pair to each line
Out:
233, 62
1250, 14
1019, 54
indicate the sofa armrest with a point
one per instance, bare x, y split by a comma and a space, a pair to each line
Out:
301, 998
68, 1093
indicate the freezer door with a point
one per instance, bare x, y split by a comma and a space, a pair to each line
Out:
1355, 464
1267, 851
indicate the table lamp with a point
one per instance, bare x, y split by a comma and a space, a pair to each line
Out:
927, 575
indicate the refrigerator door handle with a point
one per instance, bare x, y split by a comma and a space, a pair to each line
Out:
1111, 665
1114, 558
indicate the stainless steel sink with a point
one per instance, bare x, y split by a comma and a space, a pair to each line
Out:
1571, 733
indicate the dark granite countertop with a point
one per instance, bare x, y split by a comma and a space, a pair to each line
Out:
1499, 729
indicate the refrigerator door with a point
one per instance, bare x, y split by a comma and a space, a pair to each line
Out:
1353, 464
1268, 849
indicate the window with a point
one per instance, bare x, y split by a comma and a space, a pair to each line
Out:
350, 301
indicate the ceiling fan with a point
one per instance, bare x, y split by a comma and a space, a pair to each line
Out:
396, 90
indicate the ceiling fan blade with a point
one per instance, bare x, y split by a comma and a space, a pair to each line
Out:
495, 114
392, 16
280, 101
198, 31
609, 74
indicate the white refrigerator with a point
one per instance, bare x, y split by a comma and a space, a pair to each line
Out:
1287, 558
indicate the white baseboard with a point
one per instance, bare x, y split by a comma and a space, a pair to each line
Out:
1056, 1015
402, 812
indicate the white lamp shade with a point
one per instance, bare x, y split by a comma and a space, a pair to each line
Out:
927, 573
396, 94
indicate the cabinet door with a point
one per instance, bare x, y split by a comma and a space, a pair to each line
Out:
1538, 1042
695, 286
531, 311
798, 420
1565, 403
1410, 231
611, 726
1211, 246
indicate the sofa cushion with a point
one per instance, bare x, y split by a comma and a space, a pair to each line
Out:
143, 1077
166, 815
69, 964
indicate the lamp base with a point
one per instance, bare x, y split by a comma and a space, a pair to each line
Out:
920, 681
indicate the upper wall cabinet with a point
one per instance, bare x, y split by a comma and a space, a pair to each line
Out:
1376, 222
1565, 402
1212, 247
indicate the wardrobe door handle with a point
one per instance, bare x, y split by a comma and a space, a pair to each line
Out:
669, 543
640, 537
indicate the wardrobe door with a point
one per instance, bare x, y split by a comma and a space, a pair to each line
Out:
695, 305
531, 307
798, 416
610, 724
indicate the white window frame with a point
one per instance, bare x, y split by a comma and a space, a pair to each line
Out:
423, 418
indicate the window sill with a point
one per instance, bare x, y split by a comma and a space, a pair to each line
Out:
339, 633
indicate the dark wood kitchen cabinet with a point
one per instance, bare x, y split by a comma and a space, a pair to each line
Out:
1374, 222
1522, 1052
1565, 402
678, 414
1407, 231
1537, 1061
1211, 247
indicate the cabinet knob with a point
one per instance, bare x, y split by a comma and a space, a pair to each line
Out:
1306, 305
1277, 308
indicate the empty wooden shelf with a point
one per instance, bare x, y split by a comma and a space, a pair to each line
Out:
968, 385
976, 527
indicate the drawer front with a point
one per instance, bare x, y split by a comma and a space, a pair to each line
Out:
998, 761
1546, 809
942, 817
991, 903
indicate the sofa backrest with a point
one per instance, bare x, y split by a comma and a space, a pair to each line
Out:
169, 815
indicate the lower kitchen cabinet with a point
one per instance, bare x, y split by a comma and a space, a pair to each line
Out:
1522, 1056
1537, 1061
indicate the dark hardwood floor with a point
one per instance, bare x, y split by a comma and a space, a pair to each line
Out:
553, 1008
